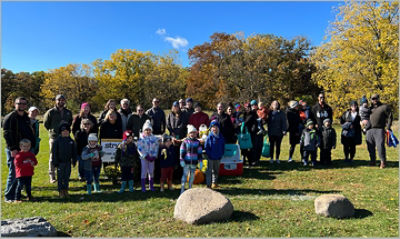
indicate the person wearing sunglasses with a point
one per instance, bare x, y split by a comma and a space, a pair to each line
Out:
137, 120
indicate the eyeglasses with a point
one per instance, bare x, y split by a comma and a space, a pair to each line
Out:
87, 124
21, 103
374, 98
140, 110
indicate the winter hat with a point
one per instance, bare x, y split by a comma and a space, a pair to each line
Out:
33, 108
363, 100
84, 104
92, 137
214, 123
127, 134
353, 102
147, 125
326, 120
253, 102
375, 96
197, 105
237, 106
293, 104
59, 96
191, 128
189, 100
176, 104
309, 122
64, 126
166, 138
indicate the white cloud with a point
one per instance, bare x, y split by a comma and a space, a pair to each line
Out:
177, 42
161, 31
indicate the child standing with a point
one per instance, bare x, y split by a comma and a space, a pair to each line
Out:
328, 142
127, 157
148, 150
190, 155
63, 155
167, 162
309, 141
215, 147
91, 157
32, 114
24, 162
364, 112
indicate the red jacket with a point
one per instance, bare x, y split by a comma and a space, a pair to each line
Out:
198, 118
23, 164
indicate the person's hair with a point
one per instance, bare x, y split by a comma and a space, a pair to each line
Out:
124, 100
139, 106
24, 141
107, 105
110, 112
82, 110
231, 105
260, 104
20, 98
86, 121
178, 112
222, 104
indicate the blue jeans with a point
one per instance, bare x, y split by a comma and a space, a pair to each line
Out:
93, 172
81, 170
27, 181
9, 193
188, 168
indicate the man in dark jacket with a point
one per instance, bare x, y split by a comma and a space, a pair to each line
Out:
381, 116
16, 126
53, 118
157, 116
226, 125
136, 121
321, 111
189, 107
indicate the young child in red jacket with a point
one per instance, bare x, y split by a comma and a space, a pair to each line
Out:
24, 162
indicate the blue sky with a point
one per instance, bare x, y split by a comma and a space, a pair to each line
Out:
46, 35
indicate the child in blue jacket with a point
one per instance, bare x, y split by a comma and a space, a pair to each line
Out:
215, 147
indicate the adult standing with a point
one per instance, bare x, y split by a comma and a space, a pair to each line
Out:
277, 127
351, 131
16, 126
189, 107
137, 120
177, 122
226, 126
81, 140
110, 129
125, 111
250, 122
157, 117
199, 117
258, 137
381, 116
321, 111
53, 118
182, 104
110, 105
295, 126
32, 114
85, 113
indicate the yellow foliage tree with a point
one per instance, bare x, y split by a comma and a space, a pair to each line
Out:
362, 55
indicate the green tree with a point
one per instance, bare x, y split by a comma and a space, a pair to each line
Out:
361, 56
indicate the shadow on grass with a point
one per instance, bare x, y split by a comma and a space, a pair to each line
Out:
362, 213
293, 192
239, 216
62, 234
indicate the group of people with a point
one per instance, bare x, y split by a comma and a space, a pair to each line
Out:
144, 140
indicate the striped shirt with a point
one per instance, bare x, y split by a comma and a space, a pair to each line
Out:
191, 151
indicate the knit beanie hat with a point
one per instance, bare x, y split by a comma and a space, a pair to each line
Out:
293, 104
214, 123
309, 122
191, 128
92, 137
363, 100
166, 138
176, 104
33, 108
64, 126
253, 102
84, 104
147, 125
189, 100
237, 106
326, 120
127, 134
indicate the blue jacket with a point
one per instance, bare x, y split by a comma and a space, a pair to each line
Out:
215, 147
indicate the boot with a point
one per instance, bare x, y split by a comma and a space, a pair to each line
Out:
61, 193
131, 189
97, 188
66, 194
151, 184
89, 189
123, 185
182, 188
143, 182
161, 187
170, 187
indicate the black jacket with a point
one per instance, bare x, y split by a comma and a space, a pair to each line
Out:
319, 114
76, 124
15, 128
110, 131
81, 140
227, 128
177, 126
294, 121
63, 151
135, 123
158, 121
346, 117
328, 139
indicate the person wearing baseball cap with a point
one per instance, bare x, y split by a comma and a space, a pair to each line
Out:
51, 121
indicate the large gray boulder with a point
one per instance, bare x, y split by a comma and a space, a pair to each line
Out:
202, 205
334, 205
27, 227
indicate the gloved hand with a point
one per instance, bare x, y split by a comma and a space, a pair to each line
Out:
201, 165
91, 155
182, 163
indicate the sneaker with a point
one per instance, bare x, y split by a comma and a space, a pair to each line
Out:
161, 189
277, 161
17, 201
214, 186
304, 163
290, 160
312, 164
53, 180
383, 165
271, 161
8, 201
31, 198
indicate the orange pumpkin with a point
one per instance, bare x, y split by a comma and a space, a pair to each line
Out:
198, 177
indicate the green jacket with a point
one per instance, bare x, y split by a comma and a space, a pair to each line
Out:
52, 120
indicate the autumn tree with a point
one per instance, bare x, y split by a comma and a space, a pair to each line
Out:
75, 81
361, 55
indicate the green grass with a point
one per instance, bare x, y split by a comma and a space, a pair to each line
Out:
269, 201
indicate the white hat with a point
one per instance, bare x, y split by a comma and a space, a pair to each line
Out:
32, 108
147, 125
92, 137
191, 128
293, 104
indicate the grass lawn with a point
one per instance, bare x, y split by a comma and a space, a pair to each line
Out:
269, 201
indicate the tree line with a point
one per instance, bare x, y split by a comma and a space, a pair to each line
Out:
359, 58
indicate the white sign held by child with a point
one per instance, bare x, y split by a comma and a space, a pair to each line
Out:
109, 147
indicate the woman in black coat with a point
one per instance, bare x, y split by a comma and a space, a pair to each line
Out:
111, 128
294, 127
250, 122
351, 131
